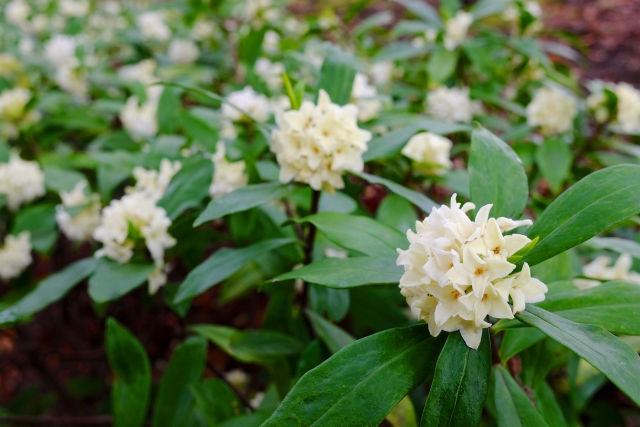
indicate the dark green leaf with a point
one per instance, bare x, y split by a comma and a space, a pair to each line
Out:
513, 407
360, 384
57, 179
518, 339
222, 264
216, 401
423, 11
242, 199
441, 65
496, 175
169, 107
607, 353
554, 158
397, 212
591, 206
132, 384
187, 188
40, 222
334, 337
418, 199
343, 273
112, 280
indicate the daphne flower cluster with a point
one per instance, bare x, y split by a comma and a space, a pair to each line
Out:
625, 117
79, 214
553, 110
270, 72
152, 26
318, 143
457, 271
13, 111
183, 51
15, 255
60, 52
250, 102
364, 96
430, 151
456, 29
601, 269
136, 217
451, 104
227, 176
21, 181
141, 119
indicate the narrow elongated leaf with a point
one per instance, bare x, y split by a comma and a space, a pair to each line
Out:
607, 353
188, 188
132, 386
518, 339
616, 244
484, 8
222, 264
554, 158
334, 337
169, 110
591, 206
243, 199
341, 273
175, 401
513, 407
337, 74
442, 63
49, 291
423, 10
547, 405
216, 401
613, 305
460, 384
361, 383
112, 280
418, 199
496, 175
40, 222
358, 233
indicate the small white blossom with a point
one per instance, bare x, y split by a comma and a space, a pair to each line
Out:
80, 226
227, 176
381, 72
17, 12
72, 80
73, 8
183, 51
21, 181
628, 116
456, 29
142, 72
271, 42
152, 26
430, 151
15, 255
270, 72
60, 51
249, 101
553, 110
364, 96
153, 184
600, 269
456, 271
141, 120
451, 104
203, 29
318, 143
13, 103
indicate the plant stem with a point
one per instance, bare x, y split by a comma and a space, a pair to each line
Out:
224, 378
495, 356
311, 236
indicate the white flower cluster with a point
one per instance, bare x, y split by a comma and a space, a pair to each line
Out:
136, 217
269, 72
364, 96
227, 176
553, 110
318, 143
21, 181
626, 117
142, 72
80, 225
430, 151
15, 255
452, 104
141, 119
250, 102
152, 26
13, 103
60, 52
600, 269
456, 29
456, 271
183, 51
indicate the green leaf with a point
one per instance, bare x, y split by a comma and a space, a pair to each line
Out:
418, 199
613, 305
607, 353
174, 401
337, 74
400, 51
361, 383
397, 212
250, 46
222, 264
243, 199
516, 340
484, 8
169, 107
554, 158
187, 188
358, 233
441, 65
40, 222
513, 407
548, 406
423, 11
496, 175
597, 202
616, 244
132, 384
216, 401
112, 280
341, 273
196, 128
57, 179
460, 384
48, 291
450, 7
334, 337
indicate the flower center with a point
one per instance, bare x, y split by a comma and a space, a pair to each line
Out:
479, 272
496, 250
455, 294
484, 297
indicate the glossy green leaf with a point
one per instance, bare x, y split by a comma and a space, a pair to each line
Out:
57, 179
441, 65
518, 339
554, 158
216, 401
188, 188
496, 175
361, 383
597, 202
40, 222
174, 401
358, 233
243, 199
418, 199
337, 74
397, 212
48, 291
548, 406
222, 264
460, 384
112, 280
613, 305
169, 110
333, 336
607, 353
344, 273
132, 385
513, 407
